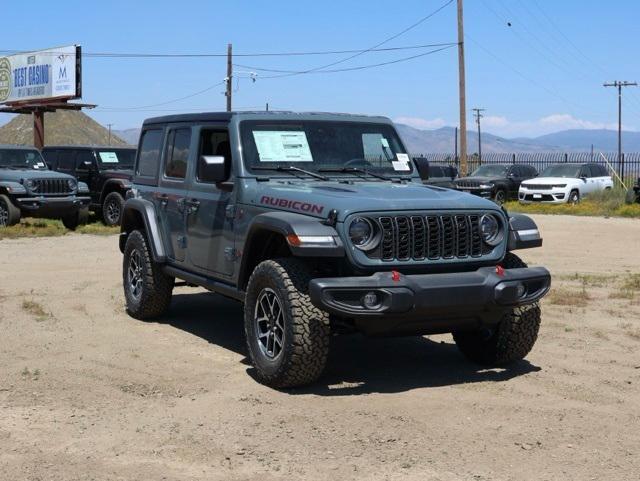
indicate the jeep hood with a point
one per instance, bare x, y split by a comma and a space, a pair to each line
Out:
481, 180
551, 180
318, 198
24, 174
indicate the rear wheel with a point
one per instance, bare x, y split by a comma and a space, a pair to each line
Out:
508, 341
631, 196
147, 290
287, 336
112, 209
80, 217
9, 213
500, 197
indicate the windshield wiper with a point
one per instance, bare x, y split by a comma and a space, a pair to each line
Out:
356, 170
291, 169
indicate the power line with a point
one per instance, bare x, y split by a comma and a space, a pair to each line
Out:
199, 92
258, 54
347, 69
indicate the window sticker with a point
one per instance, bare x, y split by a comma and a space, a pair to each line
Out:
282, 146
108, 157
402, 164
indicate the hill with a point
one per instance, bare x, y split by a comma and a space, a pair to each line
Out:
580, 140
130, 136
61, 127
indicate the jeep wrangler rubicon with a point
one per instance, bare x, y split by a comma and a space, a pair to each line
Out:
319, 224
28, 188
105, 169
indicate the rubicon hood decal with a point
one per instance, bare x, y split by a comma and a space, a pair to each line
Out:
292, 204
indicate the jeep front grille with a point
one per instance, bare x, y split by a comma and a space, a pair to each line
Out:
51, 187
538, 186
431, 237
467, 183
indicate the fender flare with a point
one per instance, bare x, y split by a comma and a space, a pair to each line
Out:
121, 185
523, 233
13, 187
146, 211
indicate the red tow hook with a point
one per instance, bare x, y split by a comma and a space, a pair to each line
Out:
500, 271
395, 276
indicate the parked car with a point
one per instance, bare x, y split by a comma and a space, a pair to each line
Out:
29, 188
440, 175
633, 194
319, 225
105, 169
562, 183
496, 181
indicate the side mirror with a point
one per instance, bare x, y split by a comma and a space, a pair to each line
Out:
212, 169
584, 178
422, 164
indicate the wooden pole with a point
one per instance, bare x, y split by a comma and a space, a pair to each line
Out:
38, 129
462, 94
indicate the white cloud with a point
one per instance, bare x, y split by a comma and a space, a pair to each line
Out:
505, 127
419, 123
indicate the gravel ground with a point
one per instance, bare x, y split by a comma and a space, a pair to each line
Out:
88, 393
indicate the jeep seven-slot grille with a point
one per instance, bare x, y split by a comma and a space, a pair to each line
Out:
431, 237
467, 183
51, 187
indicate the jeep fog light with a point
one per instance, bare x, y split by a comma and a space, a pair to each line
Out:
371, 300
521, 290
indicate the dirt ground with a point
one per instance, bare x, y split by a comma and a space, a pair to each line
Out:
87, 393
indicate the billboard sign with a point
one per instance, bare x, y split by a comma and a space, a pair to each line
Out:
41, 75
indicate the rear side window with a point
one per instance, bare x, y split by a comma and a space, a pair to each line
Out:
149, 155
51, 158
84, 159
177, 153
600, 171
65, 159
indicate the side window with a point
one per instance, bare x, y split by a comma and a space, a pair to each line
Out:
584, 171
84, 160
177, 153
602, 171
51, 158
65, 159
149, 154
214, 142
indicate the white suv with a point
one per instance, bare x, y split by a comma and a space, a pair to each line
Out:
561, 183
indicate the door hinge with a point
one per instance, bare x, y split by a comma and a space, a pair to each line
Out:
230, 254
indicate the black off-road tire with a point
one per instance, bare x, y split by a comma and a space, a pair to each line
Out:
112, 209
76, 219
156, 287
9, 213
511, 339
306, 328
632, 197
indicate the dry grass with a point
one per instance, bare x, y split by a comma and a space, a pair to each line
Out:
601, 204
35, 309
630, 330
51, 228
568, 297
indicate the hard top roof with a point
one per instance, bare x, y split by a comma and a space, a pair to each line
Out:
267, 115
90, 146
17, 147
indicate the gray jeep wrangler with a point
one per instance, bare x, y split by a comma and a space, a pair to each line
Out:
320, 225
28, 188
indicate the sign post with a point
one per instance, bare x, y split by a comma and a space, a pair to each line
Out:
39, 82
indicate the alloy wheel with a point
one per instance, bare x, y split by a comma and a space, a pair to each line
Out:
269, 323
4, 215
134, 274
113, 212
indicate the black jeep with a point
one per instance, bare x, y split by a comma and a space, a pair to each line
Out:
440, 175
499, 182
29, 188
320, 225
633, 194
105, 169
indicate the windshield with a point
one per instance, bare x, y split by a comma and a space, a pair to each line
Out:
117, 158
561, 170
324, 145
21, 159
490, 170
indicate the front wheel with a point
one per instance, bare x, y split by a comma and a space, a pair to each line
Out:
508, 341
112, 209
80, 217
287, 336
147, 290
9, 213
574, 197
500, 197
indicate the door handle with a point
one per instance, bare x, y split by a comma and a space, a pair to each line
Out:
193, 204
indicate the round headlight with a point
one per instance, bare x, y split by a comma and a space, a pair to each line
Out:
362, 233
490, 229
72, 184
30, 184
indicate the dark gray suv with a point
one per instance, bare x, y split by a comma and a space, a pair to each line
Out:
320, 225
29, 188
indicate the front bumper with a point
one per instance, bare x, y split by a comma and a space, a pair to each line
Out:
555, 196
54, 207
430, 303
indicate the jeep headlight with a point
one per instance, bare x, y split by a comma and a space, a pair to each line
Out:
83, 188
362, 234
490, 229
30, 185
486, 186
72, 184
559, 186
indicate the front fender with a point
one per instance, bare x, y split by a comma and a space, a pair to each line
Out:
141, 213
523, 233
111, 185
13, 187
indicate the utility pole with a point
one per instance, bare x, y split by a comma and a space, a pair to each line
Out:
478, 115
109, 125
229, 76
619, 84
455, 143
462, 95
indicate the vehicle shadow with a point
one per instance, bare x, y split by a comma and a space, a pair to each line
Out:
357, 364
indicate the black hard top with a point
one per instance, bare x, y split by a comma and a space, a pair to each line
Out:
90, 147
271, 114
17, 147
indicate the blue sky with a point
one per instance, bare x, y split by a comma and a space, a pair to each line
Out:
541, 74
